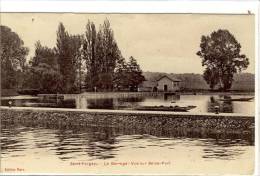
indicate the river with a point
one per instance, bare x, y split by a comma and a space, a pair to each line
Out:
110, 150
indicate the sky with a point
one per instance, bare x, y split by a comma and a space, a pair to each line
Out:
159, 42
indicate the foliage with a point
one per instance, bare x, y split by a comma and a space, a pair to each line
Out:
89, 54
67, 49
128, 75
46, 70
60, 69
101, 53
106, 68
45, 55
211, 76
120, 77
42, 73
220, 53
192, 82
109, 56
43, 77
75, 44
13, 57
135, 76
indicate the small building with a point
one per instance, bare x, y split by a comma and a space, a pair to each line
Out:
162, 84
168, 84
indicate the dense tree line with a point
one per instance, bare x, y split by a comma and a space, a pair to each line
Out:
196, 82
42, 72
106, 68
92, 60
101, 53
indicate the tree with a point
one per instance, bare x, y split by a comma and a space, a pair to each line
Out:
13, 57
43, 77
67, 48
100, 51
211, 76
109, 57
220, 53
43, 73
89, 55
75, 43
134, 76
78, 61
45, 55
120, 77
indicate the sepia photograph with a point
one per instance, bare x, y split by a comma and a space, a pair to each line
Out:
128, 93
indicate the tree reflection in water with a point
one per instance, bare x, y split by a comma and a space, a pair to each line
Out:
113, 103
224, 106
105, 142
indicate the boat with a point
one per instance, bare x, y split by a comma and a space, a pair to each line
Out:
237, 99
165, 108
104, 146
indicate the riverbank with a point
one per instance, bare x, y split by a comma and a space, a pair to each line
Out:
209, 123
195, 92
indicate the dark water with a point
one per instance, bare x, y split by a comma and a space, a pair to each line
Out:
54, 147
203, 103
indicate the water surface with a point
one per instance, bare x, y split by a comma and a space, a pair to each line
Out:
203, 103
41, 149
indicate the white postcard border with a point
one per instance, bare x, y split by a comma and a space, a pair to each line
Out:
152, 6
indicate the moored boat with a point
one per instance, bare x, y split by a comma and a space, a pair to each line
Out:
165, 108
237, 99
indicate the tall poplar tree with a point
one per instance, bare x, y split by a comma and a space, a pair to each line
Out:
111, 54
89, 55
101, 53
67, 48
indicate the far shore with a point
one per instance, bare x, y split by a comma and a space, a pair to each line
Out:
217, 93
249, 93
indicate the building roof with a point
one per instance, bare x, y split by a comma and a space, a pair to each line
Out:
170, 78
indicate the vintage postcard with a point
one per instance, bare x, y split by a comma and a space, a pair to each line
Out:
128, 93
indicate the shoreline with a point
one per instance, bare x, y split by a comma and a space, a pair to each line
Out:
177, 93
109, 111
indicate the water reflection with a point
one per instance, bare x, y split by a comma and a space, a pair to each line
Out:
113, 103
223, 106
203, 103
222, 153
40, 102
100, 103
106, 143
